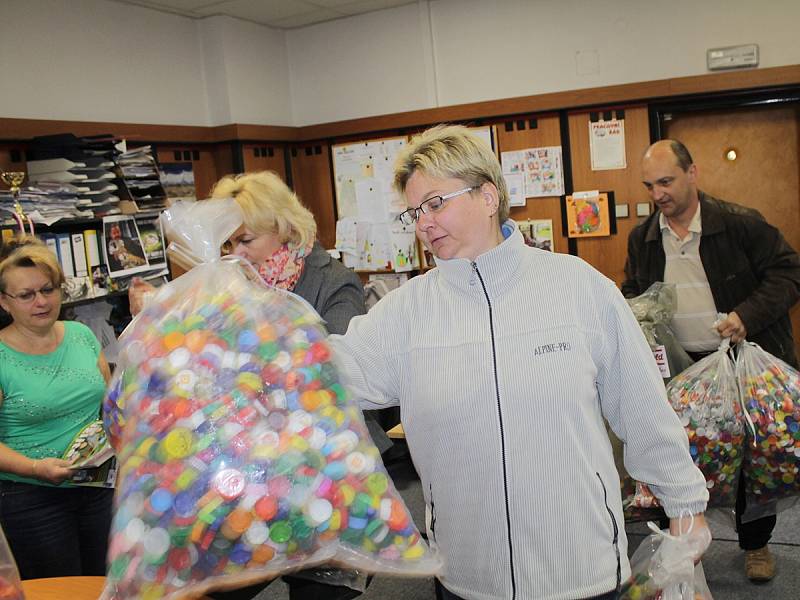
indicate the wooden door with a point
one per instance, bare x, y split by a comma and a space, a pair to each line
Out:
766, 172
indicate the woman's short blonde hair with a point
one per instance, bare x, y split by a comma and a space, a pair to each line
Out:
269, 206
447, 151
28, 251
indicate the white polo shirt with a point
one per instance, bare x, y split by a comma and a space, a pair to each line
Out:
693, 323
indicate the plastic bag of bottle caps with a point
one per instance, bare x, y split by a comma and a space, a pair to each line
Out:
706, 399
771, 395
241, 454
662, 568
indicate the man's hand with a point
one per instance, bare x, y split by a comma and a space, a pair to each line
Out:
732, 327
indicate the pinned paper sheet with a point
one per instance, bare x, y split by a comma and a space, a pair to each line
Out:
404, 248
346, 237
607, 145
370, 201
515, 182
541, 171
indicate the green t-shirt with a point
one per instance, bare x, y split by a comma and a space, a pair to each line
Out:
49, 398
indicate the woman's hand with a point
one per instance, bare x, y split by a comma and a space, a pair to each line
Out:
696, 529
138, 292
51, 470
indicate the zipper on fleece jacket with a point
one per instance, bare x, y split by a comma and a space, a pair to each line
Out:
433, 514
502, 434
615, 529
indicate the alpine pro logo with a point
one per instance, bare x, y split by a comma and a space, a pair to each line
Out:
551, 348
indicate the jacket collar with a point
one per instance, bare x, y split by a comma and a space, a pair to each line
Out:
497, 266
710, 219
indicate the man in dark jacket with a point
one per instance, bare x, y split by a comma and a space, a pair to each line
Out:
723, 258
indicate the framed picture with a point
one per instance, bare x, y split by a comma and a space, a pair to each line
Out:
152, 237
123, 248
588, 214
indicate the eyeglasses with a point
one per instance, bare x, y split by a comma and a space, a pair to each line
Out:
410, 216
28, 297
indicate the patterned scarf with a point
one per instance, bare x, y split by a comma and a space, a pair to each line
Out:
284, 267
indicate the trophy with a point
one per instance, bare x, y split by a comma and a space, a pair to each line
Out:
14, 179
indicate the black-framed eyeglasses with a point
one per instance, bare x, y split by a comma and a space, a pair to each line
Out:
410, 216
28, 296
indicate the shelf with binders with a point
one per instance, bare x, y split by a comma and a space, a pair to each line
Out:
82, 250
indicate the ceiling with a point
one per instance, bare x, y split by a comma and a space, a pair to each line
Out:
281, 14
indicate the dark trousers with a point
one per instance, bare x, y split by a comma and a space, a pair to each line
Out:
753, 534
299, 589
55, 531
442, 593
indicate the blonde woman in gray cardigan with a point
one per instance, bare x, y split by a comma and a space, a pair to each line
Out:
504, 360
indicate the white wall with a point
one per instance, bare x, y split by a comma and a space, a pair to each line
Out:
105, 61
90, 60
256, 70
371, 64
484, 49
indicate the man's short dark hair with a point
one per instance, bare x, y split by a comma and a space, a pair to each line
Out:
682, 154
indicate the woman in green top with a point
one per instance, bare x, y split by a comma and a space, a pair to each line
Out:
52, 380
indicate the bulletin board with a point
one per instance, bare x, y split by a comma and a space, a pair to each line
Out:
368, 232
370, 161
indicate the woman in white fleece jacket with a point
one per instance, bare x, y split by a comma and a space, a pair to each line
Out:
504, 360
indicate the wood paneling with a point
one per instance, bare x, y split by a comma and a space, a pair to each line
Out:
766, 172
546, 133
607, 254
7, 152
257, 158
208, 167
313, 183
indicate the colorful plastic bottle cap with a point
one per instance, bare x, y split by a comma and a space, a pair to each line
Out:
316, 438
179, 358
299, 420
335, 470
160, 501
185, 381
319, 511
377, 484
156, 542
283, 361
178, 443
280, 532
257, 533
356, 462
266, 508
229, 483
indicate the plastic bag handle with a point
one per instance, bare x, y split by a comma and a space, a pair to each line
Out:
748, 419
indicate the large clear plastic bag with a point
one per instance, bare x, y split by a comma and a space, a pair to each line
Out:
706, 399
770, 391
10, 585
241, 454
662, 568
654, 310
